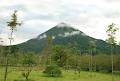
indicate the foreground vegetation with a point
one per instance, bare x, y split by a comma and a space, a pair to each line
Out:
74, 66
69, 75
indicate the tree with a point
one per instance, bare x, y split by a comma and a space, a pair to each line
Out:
77, 57
28, 62
59, 55
12, 24
47, 52
1, 46
1, 50
92, 48
111, 32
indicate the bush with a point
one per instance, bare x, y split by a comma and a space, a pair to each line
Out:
52, 71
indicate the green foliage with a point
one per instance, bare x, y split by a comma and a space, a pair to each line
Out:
12, 25
52, 71
59, 55
111, 31
28, 62
47, 52
29, 59
92, 47
13, 22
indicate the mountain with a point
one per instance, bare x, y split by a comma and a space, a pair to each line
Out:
65, 34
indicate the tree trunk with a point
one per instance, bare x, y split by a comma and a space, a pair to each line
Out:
6, 70
90, 63
112, 63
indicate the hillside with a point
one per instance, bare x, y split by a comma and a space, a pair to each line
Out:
64, 34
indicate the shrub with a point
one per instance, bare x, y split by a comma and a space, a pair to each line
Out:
52, 71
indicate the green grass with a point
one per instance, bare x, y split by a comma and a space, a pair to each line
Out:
67, 76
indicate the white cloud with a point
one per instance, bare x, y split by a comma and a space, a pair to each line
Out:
43, 36
71, 33
92, 17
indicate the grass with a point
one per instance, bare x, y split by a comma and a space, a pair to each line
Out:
67, 76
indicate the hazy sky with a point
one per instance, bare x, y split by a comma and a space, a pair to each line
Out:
90, 16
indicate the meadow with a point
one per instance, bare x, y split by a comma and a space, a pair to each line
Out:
67, 75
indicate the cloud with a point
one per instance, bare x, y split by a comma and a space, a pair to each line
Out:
112, 0
91, 17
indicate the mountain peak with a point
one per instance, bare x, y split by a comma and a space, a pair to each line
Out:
61, 30
65, 27
63, 24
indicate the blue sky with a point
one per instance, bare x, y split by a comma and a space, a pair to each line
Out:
90, 16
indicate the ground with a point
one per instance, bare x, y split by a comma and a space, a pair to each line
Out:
15, 74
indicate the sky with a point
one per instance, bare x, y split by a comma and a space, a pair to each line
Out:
90, 16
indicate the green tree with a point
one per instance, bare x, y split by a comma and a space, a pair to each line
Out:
47, 52
92, 48
60, 55
76, 54
12, 24
1, 50
28, 62
111, 32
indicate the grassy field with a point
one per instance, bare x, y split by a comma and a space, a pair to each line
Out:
67, 76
